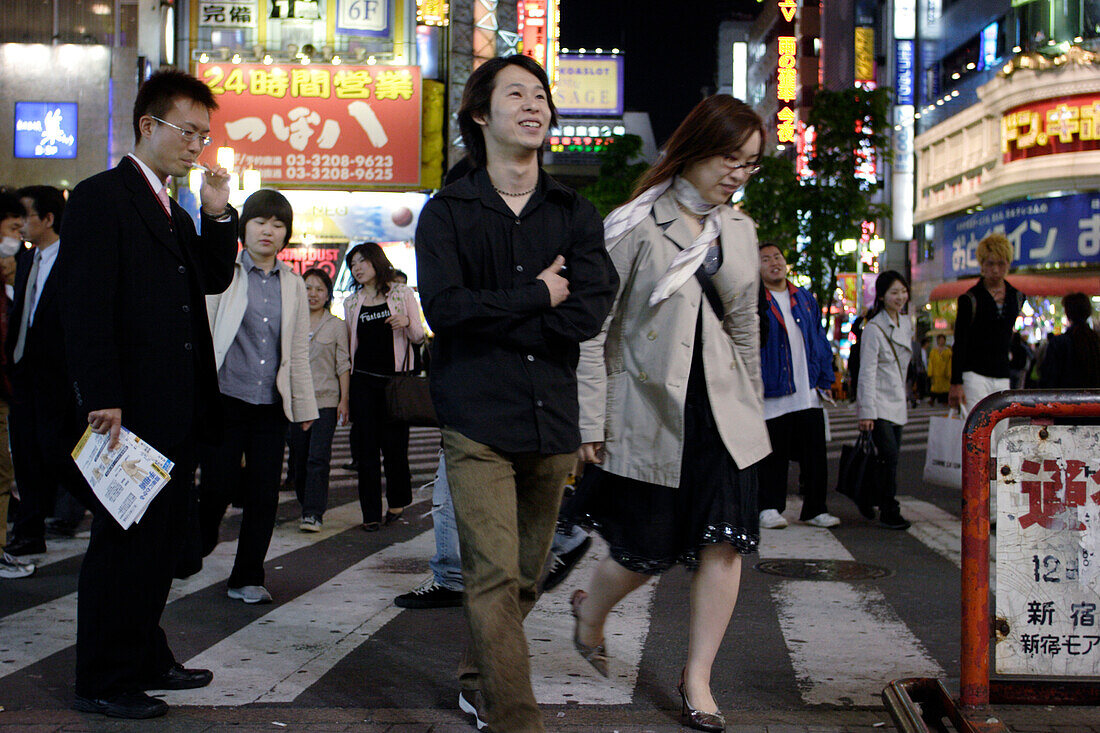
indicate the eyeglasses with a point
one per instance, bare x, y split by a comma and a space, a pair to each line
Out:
189, 135
733, 164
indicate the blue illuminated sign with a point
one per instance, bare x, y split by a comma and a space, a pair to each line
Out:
904, 74
45, 129
987, 50
1065, 229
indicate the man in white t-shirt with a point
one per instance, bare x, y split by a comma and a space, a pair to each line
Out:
797, 366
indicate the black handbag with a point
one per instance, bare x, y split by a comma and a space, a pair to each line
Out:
857, 477
408, 398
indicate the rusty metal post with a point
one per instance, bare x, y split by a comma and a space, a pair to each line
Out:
1034, 403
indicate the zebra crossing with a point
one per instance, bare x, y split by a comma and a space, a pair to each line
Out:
843, 427
334, 638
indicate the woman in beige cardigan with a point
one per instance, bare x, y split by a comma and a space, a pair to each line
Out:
383, 322
671, 401
260, 328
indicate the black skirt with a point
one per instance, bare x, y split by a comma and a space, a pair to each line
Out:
650, 528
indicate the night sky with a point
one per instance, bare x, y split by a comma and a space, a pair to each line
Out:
669, 48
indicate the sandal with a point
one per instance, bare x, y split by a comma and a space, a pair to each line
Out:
594, 655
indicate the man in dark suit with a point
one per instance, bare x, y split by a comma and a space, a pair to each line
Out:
41, 406
133, 279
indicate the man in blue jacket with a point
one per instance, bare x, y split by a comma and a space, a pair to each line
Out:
796, 364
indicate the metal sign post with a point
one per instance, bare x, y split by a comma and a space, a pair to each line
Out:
976, 687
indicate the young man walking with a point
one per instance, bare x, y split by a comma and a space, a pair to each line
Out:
513, 275
796, 363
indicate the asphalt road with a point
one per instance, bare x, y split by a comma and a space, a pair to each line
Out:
800, 654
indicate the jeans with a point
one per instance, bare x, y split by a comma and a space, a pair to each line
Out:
887, 437
506, 505
446, 565
796, 436
311, 457
257, 433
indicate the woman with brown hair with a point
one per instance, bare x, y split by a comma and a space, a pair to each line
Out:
670, 392
383, 322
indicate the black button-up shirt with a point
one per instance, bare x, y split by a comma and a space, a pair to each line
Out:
504, 363
983, 337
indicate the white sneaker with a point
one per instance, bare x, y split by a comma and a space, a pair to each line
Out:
310, 524
250, 594
771, 519
824, 520
469, 702
13, 567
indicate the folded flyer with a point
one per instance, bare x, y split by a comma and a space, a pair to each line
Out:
126, 479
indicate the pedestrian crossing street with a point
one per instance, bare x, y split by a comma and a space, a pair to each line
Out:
334, 637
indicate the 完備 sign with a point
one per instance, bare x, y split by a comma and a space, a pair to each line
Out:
319, 125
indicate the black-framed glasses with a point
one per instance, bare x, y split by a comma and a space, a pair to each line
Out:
733, 164
189, 135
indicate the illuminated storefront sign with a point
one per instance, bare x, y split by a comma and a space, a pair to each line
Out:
347, 125
904, 74
1064, 125
589, 85
865, 55
432, 12
45, 130
537, 22
1042, 231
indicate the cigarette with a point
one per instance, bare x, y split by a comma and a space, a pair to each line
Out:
197, 164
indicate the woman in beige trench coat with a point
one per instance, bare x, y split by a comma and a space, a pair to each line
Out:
671, 402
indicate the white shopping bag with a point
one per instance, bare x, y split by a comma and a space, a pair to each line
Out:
943, 460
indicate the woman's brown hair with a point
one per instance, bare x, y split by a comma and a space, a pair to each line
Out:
719, 125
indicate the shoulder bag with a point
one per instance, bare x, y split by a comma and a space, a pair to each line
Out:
408, 398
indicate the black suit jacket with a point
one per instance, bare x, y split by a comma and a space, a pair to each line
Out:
39, 380
133, 283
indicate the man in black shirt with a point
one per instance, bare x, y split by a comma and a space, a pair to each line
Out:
985, 318
513, 275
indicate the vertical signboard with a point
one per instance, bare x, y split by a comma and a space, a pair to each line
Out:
865, 56
537, 23
786, 82
1048, 533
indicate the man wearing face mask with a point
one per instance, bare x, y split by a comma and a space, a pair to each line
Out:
11, 227
41, 409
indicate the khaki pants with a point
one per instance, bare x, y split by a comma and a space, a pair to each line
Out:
506, 507
6, 473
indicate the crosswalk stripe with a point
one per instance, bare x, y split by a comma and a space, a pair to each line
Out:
280, 655
843, 640
50, 627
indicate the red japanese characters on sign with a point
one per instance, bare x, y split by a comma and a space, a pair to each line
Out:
319, 125
1052, 488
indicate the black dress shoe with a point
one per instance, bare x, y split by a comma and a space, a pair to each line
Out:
26, 546
133, 705
179, 678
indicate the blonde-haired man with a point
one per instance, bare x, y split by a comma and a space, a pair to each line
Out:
983, 328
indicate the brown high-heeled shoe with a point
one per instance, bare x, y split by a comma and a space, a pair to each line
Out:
713, 722
594, 655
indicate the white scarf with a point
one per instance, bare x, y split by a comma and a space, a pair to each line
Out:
687, 261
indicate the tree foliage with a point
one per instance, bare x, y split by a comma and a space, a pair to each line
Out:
830, 205
617, 174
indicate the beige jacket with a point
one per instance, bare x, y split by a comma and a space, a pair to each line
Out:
294, 379
884, 354
400, 299
632, 378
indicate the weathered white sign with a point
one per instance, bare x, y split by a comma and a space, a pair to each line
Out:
1048, 532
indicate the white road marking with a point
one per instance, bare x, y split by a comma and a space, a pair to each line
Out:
283, 653
845, 642
30, 636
